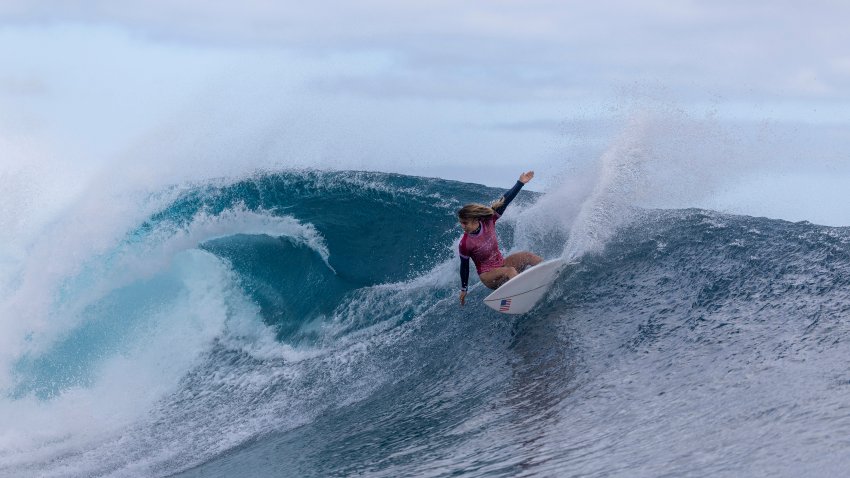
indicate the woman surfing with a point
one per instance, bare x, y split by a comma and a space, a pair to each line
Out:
479, 243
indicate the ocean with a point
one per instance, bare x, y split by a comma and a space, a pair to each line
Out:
306, 323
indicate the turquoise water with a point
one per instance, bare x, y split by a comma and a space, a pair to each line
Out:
306, 324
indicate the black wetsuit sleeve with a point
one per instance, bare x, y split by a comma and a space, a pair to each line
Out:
464, 272
509, 196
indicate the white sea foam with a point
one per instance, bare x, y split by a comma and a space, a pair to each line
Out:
146, 363
190, 301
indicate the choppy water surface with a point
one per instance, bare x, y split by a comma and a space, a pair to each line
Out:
306, 324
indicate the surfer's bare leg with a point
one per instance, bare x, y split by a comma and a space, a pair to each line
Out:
494, 278
522, 260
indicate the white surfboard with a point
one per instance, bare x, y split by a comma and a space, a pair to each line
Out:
520, 294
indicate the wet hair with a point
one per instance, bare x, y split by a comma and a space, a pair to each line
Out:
479, 211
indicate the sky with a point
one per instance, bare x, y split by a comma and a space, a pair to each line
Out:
743, 106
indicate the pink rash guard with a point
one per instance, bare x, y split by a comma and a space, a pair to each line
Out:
483, 247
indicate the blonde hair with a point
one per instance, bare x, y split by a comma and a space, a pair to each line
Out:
479, 211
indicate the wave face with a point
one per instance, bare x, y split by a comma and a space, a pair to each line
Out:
306, 324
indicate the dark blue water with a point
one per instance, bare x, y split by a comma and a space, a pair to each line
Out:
306, 324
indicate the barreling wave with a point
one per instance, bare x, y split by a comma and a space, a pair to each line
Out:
305, 323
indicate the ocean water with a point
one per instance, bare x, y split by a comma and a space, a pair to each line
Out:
306, 323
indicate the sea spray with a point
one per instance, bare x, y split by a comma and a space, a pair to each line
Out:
661, 157
612, 200
583, 209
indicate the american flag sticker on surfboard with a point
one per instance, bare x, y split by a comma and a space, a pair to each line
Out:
505, 305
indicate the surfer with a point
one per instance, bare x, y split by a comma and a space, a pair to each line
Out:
479, 242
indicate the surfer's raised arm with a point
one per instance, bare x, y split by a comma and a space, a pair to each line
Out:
500, 205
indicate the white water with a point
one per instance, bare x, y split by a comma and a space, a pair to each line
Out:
141, 309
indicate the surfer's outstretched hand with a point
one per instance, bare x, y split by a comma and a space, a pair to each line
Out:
525, 177
462, 297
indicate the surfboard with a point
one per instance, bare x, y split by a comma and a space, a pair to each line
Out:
521, 294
